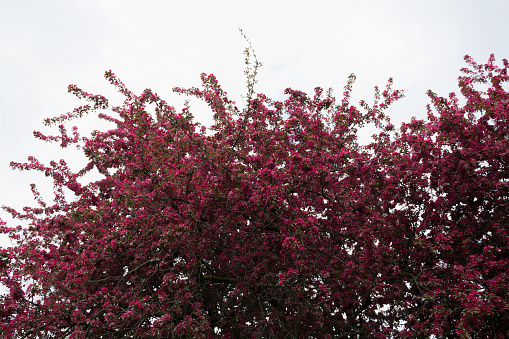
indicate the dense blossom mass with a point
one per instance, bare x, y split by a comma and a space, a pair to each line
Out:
274, 223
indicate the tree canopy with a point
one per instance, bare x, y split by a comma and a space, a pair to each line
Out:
273, 223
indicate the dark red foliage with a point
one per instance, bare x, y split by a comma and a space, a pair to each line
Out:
276, 223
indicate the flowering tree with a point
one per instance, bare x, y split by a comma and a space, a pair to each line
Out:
276, 223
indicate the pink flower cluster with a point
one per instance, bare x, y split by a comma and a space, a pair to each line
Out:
276, 224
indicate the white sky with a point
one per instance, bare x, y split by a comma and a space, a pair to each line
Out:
47, 45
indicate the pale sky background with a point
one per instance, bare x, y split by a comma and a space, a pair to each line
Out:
47, 45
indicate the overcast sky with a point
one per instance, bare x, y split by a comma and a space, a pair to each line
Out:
47, 45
